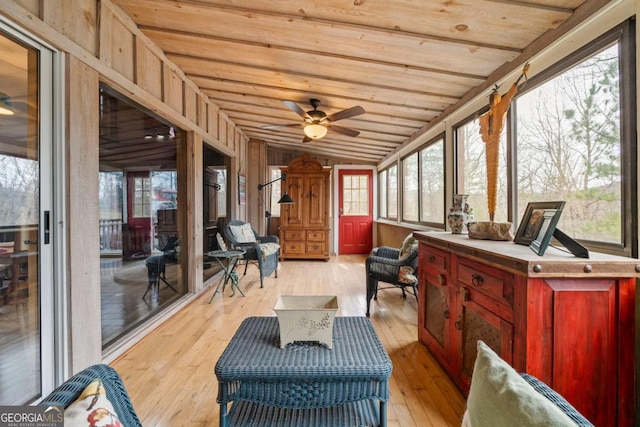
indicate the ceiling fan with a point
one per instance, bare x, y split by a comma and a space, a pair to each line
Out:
317, 123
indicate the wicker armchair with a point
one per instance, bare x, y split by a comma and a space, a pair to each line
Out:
386, 265
263, 252
116, 393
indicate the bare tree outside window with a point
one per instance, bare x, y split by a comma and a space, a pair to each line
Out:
472, 172
392, 192
410, 199
432, 182
569, 147
19, 184
382, 181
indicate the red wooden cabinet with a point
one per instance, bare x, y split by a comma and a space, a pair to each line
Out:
566, 320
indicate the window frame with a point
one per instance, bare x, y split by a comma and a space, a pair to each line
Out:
440, 138
624, 36
384, 175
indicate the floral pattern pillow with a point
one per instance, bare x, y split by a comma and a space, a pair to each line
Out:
92, 409
406, 275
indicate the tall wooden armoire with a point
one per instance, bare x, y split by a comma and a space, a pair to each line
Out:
304, 225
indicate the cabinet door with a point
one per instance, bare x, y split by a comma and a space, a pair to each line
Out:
292, 215
434, 327
474, 322
316, 193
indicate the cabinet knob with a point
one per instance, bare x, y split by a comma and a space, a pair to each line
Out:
537, 268
638, 268
477, 280
459, 323
588, 268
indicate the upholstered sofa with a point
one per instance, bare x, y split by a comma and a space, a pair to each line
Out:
112, 386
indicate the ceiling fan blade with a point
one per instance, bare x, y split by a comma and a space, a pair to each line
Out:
307, 139
343, 130
290, 125
349, 112
296, 108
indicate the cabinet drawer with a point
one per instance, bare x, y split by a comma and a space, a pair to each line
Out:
293, 248
433, 259
316, 236
315, 248
294, 235
496, 284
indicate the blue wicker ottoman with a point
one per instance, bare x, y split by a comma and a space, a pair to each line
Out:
304, 383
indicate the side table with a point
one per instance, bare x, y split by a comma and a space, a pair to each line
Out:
229, 270
303, 383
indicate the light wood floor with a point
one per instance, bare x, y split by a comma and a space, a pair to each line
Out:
170, 374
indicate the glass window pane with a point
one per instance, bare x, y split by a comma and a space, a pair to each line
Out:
432, 183
355, 192
21, 165
141, 261
382, 181
410, 188
569, 147
275, 190
472, 172
392, 192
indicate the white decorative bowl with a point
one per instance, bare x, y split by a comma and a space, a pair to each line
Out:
306, 318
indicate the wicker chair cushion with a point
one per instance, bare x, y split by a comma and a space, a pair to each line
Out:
243, 233
91, 408
407, 243
267, 249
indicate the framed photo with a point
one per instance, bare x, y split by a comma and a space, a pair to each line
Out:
242, 189
545, 231
532, 221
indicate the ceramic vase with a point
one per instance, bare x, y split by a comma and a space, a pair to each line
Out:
458, 216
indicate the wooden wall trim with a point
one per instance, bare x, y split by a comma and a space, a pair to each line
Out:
83, 242
126, 82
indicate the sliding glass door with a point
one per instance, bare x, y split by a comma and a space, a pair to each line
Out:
26, 309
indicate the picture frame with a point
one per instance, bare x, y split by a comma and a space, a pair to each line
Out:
242, 189
545, 230
530, 225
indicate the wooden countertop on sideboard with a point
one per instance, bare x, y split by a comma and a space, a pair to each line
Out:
520, 259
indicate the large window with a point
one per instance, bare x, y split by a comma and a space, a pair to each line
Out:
140, 209
273, 192
382, 190
472, 171
423, 184
388, 180
571, 128
569, 146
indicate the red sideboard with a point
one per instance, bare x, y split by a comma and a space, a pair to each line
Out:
569, 321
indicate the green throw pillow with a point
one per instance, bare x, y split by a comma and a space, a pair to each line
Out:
500, 397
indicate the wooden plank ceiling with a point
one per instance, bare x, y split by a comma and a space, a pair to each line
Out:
404, 61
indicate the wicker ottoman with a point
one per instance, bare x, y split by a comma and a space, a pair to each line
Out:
304, 383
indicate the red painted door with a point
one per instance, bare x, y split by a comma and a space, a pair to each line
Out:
355, 209
136, 233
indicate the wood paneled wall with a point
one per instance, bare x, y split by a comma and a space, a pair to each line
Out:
102, 44
390, 234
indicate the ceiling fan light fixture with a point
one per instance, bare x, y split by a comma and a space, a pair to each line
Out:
315, 130
5, 105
